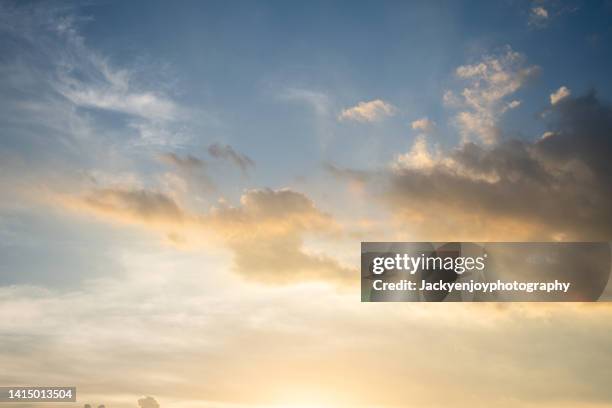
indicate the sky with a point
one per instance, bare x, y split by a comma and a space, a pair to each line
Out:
185, 186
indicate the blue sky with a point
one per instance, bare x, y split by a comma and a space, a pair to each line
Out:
233, 65
234, 60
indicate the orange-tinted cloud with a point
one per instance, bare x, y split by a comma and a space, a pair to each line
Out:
265, 232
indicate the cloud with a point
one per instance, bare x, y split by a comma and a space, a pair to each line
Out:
56, 77
420, 156
347, 174
109, 97
538, 17
266, 235
553, 188
424, 125
189, 175
513, 104
133, 330
267, 238
371, 111
481, 103
540, 12
187, 163
543, 12
148, 402
265, 232
559, 95
547, 134
88, 80
226, 152
128, 205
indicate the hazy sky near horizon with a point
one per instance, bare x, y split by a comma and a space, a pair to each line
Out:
185, 186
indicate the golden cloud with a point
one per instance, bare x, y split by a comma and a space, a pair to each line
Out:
265, 232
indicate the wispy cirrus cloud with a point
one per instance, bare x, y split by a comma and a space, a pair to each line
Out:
57, 65
87, 79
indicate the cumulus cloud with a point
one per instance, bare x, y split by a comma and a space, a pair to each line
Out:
371, 111
553, 188
482, 102
226, 152
420, 156
424, 125
560, 94
265, 232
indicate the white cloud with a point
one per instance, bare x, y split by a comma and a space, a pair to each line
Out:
546, 135
482, 102
540, 12
72, 75
538, 16
147, 104
371, 111
514, 104
559, 95
159, 133
87, 80
419, 157
424, 124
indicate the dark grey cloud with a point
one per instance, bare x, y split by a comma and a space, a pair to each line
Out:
226, 152
557, 186
582, 129
553, 187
